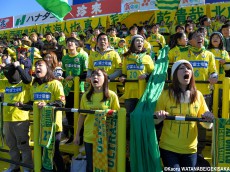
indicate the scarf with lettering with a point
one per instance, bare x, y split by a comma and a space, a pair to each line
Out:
47, 136
221, 143
105, 144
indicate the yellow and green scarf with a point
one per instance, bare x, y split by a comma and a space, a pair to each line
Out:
47, 136
105, 144
221, 134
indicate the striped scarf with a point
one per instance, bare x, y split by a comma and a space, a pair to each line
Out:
105, 144
47, 136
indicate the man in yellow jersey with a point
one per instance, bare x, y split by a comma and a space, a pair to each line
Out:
16, 122
203, 63
105, 58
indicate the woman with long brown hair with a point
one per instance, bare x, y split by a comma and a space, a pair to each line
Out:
178, 141
99, 97
46, 90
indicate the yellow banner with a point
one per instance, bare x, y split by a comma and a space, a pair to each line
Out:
66, 26
220, 9
164, 15
139, 18
193, 12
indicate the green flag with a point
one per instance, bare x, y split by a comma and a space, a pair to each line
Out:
167, 4
59, 8
144, 149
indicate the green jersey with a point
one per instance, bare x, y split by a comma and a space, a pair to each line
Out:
73, 65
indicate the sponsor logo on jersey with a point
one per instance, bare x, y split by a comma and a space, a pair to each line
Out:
199, 64
135, 67
72, 65
42, 96
13, 89
103, 63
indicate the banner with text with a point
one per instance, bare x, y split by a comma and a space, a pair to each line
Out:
94, 8
220, 9
6, 23
67, 27
194, 12
134, 5
34, 18
191, 2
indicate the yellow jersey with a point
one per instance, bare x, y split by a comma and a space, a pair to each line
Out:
180, 136
48, 92
220, 54
96, 104
15, 93
132, 70
153, 38
203, 65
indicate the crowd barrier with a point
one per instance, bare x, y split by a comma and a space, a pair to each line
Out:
121, 158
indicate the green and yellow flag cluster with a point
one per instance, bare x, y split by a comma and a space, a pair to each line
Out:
167, 4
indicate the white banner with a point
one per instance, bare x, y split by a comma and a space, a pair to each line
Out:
33, 18
184, 3
140, 5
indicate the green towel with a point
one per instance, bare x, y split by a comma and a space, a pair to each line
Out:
221, 144
144, 149
47, 136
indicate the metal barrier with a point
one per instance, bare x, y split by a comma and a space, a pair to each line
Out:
7, 151
121, 145
183, 118
225, 98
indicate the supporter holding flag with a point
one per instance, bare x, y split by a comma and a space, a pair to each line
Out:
137, 65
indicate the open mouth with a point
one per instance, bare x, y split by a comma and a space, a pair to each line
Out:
186, 76
95, 81
38, 71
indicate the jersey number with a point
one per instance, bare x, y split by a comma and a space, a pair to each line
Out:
46, 134
133, 75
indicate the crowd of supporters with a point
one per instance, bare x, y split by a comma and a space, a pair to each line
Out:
124, 54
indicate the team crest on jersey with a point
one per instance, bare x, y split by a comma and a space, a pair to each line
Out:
46, 86
76, 60
62, 98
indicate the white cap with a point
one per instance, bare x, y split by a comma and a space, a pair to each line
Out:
178, 63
